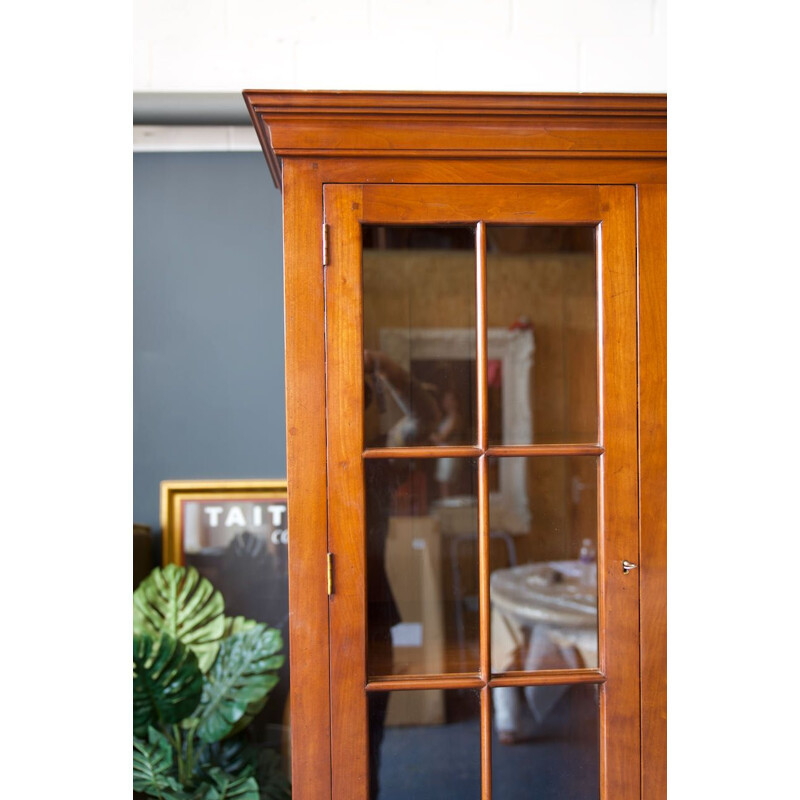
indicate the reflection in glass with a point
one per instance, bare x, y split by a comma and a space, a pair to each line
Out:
419, 336
545, 743
425, 744
541, 288
415, 624
544, 609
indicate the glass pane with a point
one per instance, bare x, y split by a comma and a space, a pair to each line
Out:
544, 584
425, 744
419, 335
545, 743
418, 597
541, 289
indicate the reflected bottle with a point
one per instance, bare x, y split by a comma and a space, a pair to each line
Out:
588, 562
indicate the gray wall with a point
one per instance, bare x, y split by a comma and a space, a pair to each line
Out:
208, 385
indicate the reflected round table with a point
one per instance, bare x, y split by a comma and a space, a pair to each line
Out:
544, 617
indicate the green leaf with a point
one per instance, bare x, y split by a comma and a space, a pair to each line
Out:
233, 755
152, 763
236, 687
229, 787
237, 625
177, 601
272, 782
167, 683
153, 771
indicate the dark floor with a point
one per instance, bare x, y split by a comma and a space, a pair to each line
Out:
560, 762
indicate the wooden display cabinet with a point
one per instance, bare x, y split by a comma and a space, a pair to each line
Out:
431, 237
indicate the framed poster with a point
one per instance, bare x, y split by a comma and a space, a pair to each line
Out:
202, 517
235, 533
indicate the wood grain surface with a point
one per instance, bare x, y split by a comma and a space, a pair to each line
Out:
307, 482
618, 600
464, 158
653, 489
437, 125
347, 518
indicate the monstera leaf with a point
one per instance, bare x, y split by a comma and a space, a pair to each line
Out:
152, 762
237, 685
237, 625
229, 787
272, 783
232, 755
153, 769
177, 601
167, 683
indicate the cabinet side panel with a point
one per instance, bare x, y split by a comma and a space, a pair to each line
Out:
653, 486
306, 472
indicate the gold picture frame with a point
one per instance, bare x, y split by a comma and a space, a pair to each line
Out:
175, 494
254, 557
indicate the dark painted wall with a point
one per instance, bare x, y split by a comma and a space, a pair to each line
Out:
208, 385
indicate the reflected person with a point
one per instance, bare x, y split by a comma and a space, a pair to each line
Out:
387, 384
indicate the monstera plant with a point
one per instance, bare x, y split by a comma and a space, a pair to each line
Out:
199, 678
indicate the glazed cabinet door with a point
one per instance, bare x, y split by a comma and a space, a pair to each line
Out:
482, 488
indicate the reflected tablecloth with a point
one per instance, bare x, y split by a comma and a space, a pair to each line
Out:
544, 616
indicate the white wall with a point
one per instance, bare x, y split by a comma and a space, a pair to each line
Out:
450, 45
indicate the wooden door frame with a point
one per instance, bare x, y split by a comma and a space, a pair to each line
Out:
313, 138
612, 209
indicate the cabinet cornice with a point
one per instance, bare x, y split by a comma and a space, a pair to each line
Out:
456, 125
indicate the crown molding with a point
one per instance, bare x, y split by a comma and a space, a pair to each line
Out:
456, 125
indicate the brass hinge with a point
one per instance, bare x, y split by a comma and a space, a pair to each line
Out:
326, 235
330, 573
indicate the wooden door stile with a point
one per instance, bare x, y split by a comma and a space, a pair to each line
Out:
653, 484
618, 592
345, 393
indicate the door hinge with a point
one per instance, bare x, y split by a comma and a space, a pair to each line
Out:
326, 235
330, 574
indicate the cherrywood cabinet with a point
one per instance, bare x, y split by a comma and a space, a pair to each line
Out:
429, 237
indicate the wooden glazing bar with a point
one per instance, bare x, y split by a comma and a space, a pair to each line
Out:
484, 607
548, 678
456, 681
534, 450
481, 358
486, 744
423, 452
481, 365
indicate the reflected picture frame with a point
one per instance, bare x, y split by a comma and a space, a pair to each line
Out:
175, 494
515, 350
